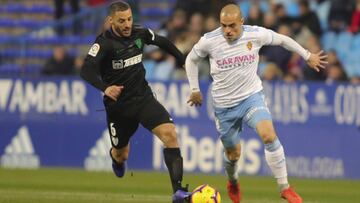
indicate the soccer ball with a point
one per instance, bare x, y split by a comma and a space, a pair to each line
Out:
205, 194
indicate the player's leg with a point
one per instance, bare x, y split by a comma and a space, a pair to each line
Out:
173, 160
229, 125
120, 130
259, 118
274, 152
119, 157
275, 158
155, 118
231, 159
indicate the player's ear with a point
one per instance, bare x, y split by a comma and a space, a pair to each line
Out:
242, 20
110, 19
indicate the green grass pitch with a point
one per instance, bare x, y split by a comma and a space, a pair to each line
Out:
48, 185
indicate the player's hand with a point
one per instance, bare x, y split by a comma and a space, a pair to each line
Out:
195, 99
317, 61
114, 91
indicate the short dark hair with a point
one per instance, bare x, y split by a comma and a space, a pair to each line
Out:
118, 6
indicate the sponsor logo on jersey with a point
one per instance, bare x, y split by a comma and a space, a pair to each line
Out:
94, 50
120, 64
99, 158
117, 64
20, 152
236, 61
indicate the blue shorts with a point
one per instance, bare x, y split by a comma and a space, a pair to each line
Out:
229, 120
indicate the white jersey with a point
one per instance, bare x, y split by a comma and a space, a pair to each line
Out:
234, 65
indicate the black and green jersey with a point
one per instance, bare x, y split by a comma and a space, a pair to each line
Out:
114, 60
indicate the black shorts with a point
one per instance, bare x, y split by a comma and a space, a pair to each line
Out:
123, 119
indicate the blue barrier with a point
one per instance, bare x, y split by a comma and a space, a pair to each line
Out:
61, 122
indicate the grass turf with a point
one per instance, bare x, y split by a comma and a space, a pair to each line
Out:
54, 185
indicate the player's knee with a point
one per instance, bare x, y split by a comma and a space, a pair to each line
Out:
233, 155
168, 135
268, 137
266, 131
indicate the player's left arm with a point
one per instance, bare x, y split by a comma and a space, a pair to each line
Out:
315, 61
165, 44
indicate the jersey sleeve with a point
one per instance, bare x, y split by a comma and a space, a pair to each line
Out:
201, 48
265, 36
92, 64
151, 38
97, 51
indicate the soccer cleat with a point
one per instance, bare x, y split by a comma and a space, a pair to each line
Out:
291, 196
234, 192
182, 195
119, 169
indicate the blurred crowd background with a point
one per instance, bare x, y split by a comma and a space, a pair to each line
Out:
51, 37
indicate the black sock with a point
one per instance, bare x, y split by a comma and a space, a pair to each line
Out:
174, 163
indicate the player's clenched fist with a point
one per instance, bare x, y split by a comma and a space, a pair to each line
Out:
113, 91
195, 99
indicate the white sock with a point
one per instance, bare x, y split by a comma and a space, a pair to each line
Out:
231, 169
277, 164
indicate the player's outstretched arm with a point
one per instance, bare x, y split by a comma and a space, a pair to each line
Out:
315, 61
192, 73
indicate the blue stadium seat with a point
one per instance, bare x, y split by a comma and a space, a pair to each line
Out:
356, 42
4, 38
343, 43
152, 24
14, 8
328, 40
5, 22
44, 9
352, 63
20, 8
15, 69
245, 8
72, 39
292, 9
31, 53
322, 10
26, 23
33, 69
264, 6
10, 69
155, 12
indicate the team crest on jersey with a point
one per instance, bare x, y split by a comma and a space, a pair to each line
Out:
138, 43
249, 46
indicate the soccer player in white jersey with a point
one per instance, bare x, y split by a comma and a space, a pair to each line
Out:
233, 51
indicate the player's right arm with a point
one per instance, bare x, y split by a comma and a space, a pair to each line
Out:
198, 52
90, 71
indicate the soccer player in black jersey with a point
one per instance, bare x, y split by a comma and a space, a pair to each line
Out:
114, 66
